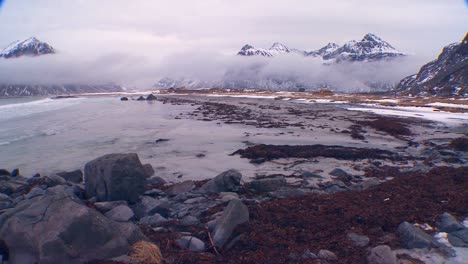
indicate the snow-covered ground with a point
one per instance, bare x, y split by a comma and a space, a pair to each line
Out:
428, 113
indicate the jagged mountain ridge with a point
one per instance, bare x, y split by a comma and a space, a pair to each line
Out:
370, 48
445, 76
7, 90
276, 49
28, 47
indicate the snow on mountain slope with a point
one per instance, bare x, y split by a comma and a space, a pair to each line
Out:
370, 48
445, 76
28, 47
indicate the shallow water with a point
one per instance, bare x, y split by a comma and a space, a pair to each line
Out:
41, 135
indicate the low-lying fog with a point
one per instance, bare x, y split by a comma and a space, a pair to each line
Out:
208, 68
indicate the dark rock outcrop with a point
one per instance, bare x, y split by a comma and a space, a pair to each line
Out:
115, 177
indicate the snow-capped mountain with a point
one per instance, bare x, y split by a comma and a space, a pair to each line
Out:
29, 47
370, 48
325, 51
445, 76
276, 49
7, 90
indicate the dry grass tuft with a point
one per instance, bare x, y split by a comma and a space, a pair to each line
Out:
144, 252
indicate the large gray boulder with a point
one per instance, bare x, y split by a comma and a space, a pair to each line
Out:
115, 177
413, 237
234, 214
58, 228
228, 181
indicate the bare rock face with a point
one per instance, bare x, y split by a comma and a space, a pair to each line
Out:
115, 177
58, 228
445, 76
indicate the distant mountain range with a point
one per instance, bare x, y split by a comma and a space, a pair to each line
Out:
9, 90
445, 76
370, 48
28, 47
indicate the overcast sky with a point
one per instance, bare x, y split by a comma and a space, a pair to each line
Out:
160, 28
136, 42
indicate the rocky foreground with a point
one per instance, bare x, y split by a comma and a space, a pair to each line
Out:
60, 219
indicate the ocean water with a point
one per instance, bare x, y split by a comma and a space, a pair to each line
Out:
43, 135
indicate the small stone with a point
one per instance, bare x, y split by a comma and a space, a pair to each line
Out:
308, 174
338, 173
191, 243
459, 238
107, 206
124, 98
268, 184
4, 172
228, 196
72, 176
381, 255
309, 255
358, 240
151, 97
449, 223
228, 181
179, 188
54, 180
15, 172
189, 221
149, 206
327, 255
121, 213
413, 237
156, 180
153, 220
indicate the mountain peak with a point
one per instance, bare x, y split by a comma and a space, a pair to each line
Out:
280, 47
372, 37
28, 47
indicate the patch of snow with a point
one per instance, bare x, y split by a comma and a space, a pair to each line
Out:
243, 96
427, 113
448, 105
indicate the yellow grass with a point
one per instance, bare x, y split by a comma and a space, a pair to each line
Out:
144, 252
